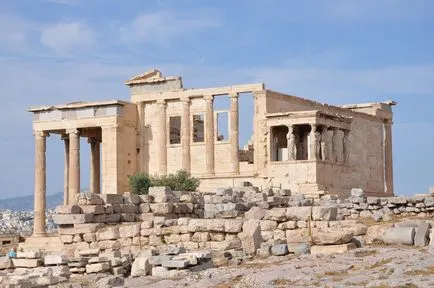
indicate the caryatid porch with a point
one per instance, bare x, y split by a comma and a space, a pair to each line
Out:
100, 123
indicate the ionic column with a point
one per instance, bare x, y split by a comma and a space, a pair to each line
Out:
314, 145
74, 165
346, 146
325, 143
65, 139
95, 182
291, 143
335, 145
40, 184
234, 133
162, 142
209, 134
185, 141
388, 160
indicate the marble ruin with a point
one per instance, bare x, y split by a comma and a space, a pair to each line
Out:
296, 144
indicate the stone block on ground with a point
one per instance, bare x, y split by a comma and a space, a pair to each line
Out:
141, 267
97, 268
55, 259
112, 198
29, 254
400, 235
375, 233
331, 236
299, 248
279, 249
251, 238
5, 263
324, 213
175, 263
332, 249
26, 263
89, 252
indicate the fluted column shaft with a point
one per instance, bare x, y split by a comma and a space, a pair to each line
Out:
74, 165
65, 139
209, 135
40, 184
162, 142
95, 181
185, 141
234, 133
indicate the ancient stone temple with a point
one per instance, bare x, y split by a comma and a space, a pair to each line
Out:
295, 144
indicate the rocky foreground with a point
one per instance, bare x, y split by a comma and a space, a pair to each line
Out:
375, 266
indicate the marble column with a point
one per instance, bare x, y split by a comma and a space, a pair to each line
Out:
40, 184
185, 141
95, 181
314, 143
388, 160
325, 143
335, 145
209, 134
74, 165
162, 142
234, 133
65, 139
346, 146
290, 137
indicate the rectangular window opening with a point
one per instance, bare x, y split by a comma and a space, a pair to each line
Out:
222, 126
198, 128
175, 129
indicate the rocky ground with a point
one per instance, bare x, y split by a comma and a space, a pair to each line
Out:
375, 266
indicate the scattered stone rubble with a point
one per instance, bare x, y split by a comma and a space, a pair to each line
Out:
169, 233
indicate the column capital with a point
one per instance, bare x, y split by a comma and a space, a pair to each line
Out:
290, 129
314, 127
41, 133
93, 140
185, 100
208, 98
74, 131
233, 95
161, 102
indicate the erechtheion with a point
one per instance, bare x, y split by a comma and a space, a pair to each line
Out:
296, 144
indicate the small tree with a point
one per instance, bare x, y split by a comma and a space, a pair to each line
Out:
139, 183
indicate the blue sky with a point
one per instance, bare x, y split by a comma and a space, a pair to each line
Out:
335, 51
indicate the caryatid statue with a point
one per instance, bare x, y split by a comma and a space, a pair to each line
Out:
291, 143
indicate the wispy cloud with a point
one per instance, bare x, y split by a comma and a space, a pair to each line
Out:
164, 26
15, 32
67, 37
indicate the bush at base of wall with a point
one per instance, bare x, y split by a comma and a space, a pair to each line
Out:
181, 181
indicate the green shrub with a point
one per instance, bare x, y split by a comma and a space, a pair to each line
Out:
181, 181
140, 183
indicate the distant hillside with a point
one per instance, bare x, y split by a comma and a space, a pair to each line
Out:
25, 203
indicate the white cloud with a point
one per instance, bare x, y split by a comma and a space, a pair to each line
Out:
163, 26
67, 37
